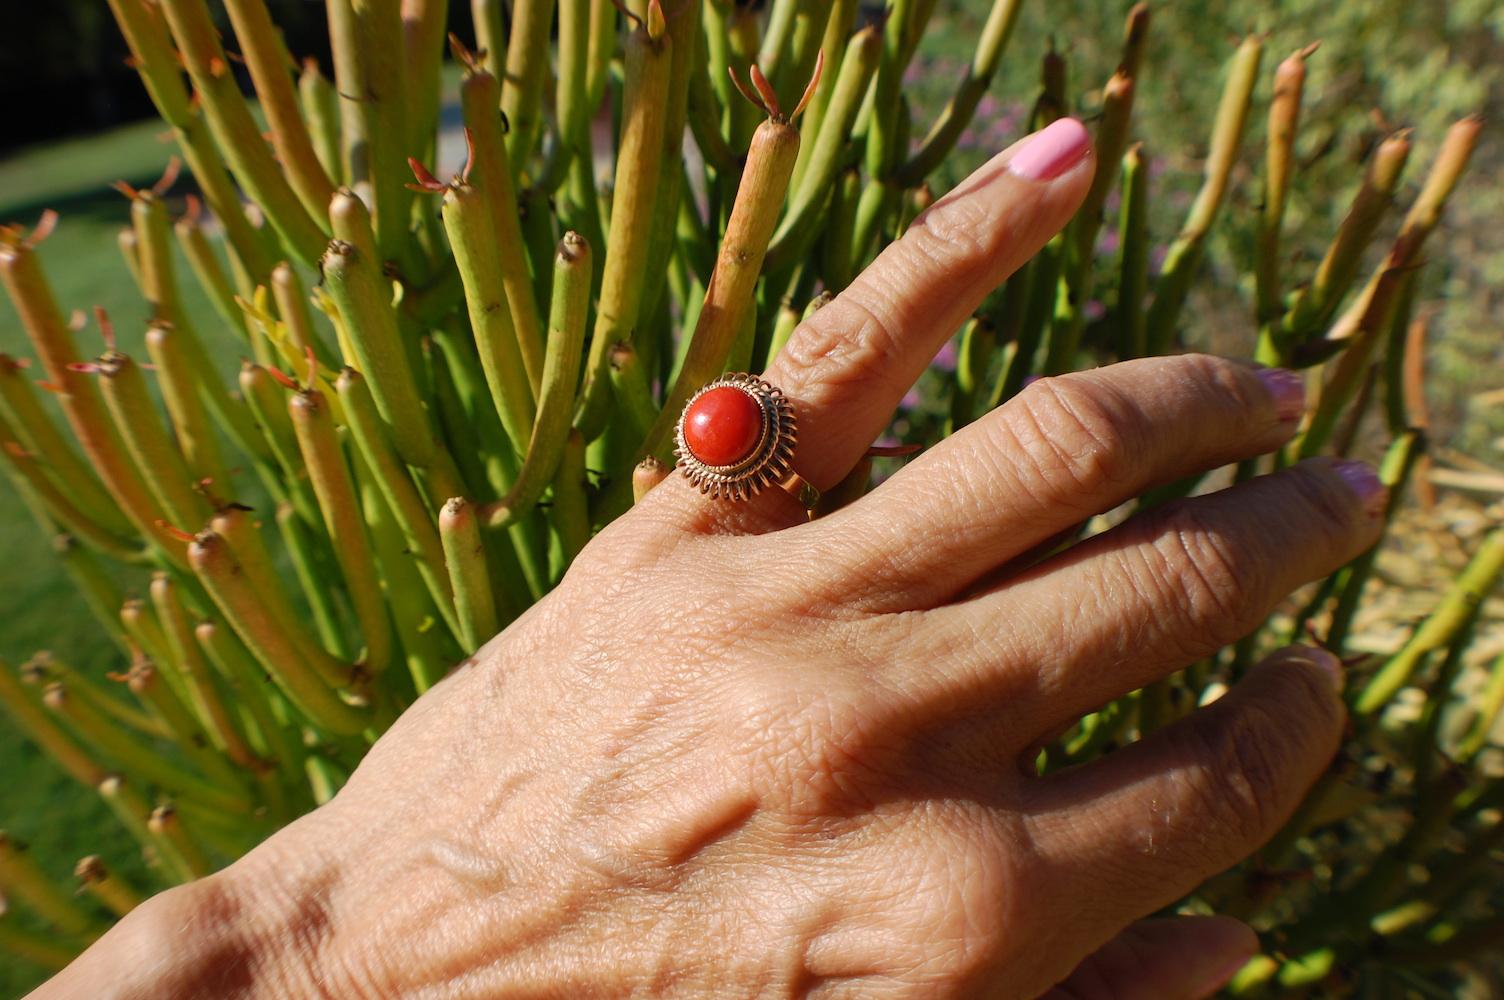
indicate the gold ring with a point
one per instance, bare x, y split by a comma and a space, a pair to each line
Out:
736, 437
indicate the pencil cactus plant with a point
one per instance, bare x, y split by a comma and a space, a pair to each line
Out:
448, 385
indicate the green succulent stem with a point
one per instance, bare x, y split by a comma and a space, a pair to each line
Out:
105, 887
1133, 256
252, 688
354, 280
1183, 259
1470, 588
318, 440
561, 370
155, 454
1312, 308
526, 73
959, 111
208, 703
211, 277
1279, 168
320, 106
235, 131
640, 150
179, 381
819, 162
79, 395
58, 507
468, 220
42, 729
265, 56
464, 552
138, 758
264, 635
156, 60
412, 516
770, 162
173, 840
21, 876
1360, 328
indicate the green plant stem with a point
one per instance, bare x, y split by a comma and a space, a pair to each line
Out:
22, 877
44, 731
292, 307
1312, 308
156, 60
319, 443
640, 148
154, 453
79, 395
1394, 473
468, 220
413, 518
235, 131
770, 162
44, 668
490, 178
174, 841
1470, 588
264, 54
192, 431
959, 111
211, 277
526, 73
105, 887
466, 558
353, 278
1279, 167
1361, 327
320, 105
208, 704
1183, 258
29, 424
571, 515
821, 159
265, 636
58, 509
566, 338
110, 740
250, 684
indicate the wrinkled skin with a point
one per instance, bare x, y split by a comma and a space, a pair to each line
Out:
739, 754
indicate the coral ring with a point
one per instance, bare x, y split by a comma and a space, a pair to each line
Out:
736, 437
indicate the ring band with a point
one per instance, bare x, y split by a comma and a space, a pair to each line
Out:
736, 437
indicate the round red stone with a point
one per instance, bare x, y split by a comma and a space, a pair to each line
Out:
723, 426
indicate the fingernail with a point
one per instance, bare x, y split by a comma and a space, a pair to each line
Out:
1222, 977
1327, 662
1365, 482
1287, 389
1051, 151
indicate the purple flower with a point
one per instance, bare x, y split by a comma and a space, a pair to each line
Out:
945, 358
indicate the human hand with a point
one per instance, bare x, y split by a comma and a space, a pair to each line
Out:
735, 753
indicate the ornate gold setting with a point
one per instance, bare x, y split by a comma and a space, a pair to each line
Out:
770, 462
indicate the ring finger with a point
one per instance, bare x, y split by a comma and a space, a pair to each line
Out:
848, 365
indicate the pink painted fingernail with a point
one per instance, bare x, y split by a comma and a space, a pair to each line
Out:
1365, 482
1287, 389
1051, 151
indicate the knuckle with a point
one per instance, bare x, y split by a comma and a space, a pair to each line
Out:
846, 346
1074, 432
1235, 789
955, 233
1214, 586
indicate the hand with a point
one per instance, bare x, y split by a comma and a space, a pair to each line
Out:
735, 753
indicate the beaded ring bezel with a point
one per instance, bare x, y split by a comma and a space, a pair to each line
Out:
770, 463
